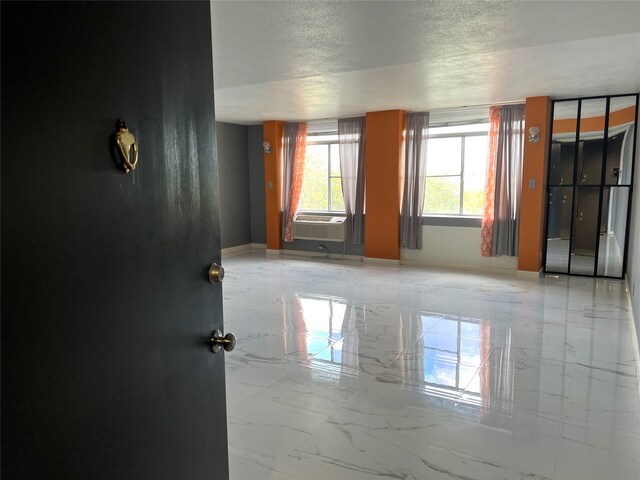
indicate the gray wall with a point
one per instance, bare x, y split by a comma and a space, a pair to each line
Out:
256, 184
633, 265
337, 248
233, 178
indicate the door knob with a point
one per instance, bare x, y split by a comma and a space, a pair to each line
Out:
216, 273
217, 341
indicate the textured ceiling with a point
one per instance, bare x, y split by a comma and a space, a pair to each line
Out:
317, 59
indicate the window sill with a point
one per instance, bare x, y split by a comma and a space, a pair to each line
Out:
452, 221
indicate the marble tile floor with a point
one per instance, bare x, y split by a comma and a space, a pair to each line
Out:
358, 371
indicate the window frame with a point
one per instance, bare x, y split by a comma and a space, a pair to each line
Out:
328, 143
455, 219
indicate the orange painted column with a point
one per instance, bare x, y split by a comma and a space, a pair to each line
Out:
383, 159
533, 200
273, 167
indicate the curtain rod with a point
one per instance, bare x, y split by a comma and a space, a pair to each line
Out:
461, 107
437, 110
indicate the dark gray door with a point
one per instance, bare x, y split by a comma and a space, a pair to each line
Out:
106, 308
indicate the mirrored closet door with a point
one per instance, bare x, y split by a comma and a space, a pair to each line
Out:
589, 185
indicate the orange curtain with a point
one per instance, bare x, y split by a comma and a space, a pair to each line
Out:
297, 175
503, 183
490, 183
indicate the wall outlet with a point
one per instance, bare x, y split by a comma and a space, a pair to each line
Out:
322, 248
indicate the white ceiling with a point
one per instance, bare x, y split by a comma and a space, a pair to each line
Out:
307, 60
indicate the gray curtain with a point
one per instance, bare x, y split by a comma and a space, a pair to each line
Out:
508, 180
416, 130
351, 137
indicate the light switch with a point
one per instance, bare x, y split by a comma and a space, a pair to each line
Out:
532, 183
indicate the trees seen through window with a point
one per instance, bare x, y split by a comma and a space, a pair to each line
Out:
456, 164
322, 184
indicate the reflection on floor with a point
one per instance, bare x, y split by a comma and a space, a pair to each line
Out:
351, 371
609, 258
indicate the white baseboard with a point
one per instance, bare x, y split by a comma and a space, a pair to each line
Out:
527, 275
636, 346
634, 332
464, 268
381, 261
239, 249
313, 254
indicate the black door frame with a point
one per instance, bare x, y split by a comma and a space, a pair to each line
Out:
601, 185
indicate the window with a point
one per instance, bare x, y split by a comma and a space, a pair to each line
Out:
322, 184
456, 168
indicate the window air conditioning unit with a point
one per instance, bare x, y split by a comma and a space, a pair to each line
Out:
319, 227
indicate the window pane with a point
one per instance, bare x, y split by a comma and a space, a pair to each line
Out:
474, 127
315, 185
475, 164
475, 155
322, 137
443, 156
473, 201
335, 160
337, 200
442, 195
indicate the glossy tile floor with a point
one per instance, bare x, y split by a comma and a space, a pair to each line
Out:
353, 371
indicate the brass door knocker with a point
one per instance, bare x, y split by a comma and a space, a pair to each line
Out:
127, 146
